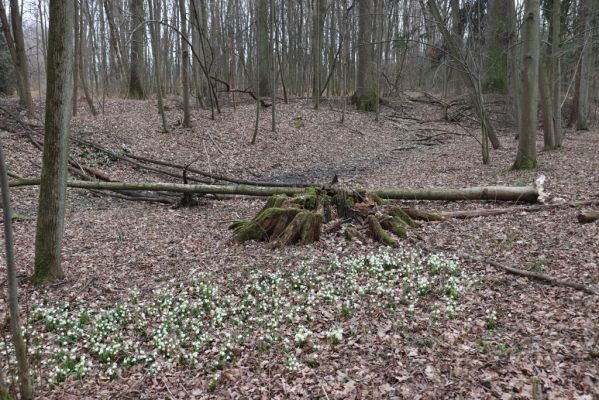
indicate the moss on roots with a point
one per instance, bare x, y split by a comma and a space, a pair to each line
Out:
378, 233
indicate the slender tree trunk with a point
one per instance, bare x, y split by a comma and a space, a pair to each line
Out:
13, 296
59, 96
527, 154
264, 84
77, 58
497, 37
136, 68
80, 67
273, 64
185, 65
155, 38
512, 58
319, 15
556, 74
365, 96
546, 108
582, 111
20, 55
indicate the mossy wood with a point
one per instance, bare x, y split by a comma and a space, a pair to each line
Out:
298, 219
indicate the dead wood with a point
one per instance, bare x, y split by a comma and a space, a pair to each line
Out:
588, 216
494, 193
519, 272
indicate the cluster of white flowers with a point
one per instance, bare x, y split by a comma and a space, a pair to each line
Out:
335, 335
302, 336
198, 325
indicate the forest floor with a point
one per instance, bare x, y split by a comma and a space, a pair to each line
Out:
313, 321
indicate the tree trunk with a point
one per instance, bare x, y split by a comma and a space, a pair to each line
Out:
495, 74
13, 297
513, 57
263, 63
59, 96
556, 74
155, 39
526, 158
365, 96
185, 65
20, 56
584, 76
319, 14
136, 68
528, 194
546, 108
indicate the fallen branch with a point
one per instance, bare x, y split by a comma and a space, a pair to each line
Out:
495, 193
520, 272
541, 277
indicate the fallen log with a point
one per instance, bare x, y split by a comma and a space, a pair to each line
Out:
528, 194
584, 217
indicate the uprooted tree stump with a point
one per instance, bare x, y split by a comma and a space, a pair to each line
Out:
286, 220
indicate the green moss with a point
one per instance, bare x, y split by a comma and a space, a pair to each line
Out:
378, 233
269, 223
402, 216
394, 225
310, 199
275, 201
495, 74
310, 227
527, 163
343, 201
366, 103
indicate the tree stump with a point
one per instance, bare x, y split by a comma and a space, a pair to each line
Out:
299, 219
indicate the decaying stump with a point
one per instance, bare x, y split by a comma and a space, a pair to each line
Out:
288, 220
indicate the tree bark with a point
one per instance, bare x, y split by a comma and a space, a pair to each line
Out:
365, 96
527, 194
13, 297
263, 62
526, 158
20, 55
546, 108
155, 39
556, 74
582, 111
495, 74
319, 14
136, 68
59, 96
185, 65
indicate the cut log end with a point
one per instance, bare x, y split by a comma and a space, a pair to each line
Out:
588, 216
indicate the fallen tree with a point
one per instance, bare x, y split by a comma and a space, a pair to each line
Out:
526, 194
584, 217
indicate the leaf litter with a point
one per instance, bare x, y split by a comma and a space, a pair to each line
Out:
124, 259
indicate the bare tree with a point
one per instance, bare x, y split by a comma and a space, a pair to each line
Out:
526, 157
13, 297
16, 45
185, 65
365, 96
136, 71
59, 97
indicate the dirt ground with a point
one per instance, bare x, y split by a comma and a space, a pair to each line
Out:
546, 337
